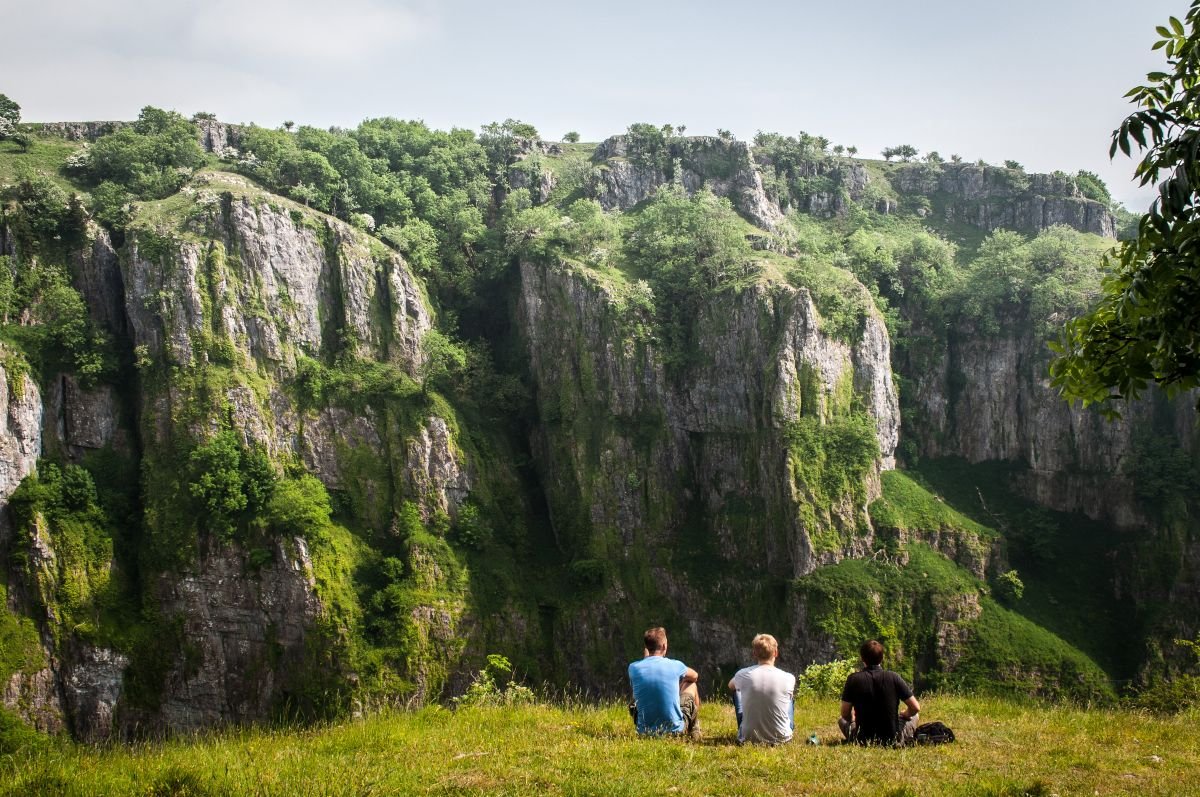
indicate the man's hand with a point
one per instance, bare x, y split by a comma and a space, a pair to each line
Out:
690, 676
847, 708
913, 709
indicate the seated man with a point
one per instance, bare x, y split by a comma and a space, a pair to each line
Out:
764, 696
665, 698
870, 699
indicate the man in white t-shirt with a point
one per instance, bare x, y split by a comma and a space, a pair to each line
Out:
763, 696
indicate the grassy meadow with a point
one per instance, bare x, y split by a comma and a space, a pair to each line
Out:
1003, 748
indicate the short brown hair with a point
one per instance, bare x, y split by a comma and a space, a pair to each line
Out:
655, 639
765, 647
871, 652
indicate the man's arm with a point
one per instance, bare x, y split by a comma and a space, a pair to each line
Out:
690, 676
914, 708
847, 708
732, 688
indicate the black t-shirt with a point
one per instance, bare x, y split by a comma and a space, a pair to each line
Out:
876, 694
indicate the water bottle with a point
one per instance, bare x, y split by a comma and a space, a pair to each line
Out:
814, 740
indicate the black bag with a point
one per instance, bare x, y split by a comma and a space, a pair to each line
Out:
933, 733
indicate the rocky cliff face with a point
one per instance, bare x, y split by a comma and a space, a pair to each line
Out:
222, 308
628, 174
989, 398
992, 198
651, 473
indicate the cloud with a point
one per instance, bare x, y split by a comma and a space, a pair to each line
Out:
269, 35
304, 30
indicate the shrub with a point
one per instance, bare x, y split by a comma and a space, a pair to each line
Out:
825, 680
1009, 586
486, 689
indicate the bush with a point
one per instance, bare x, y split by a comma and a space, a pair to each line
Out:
152, 159
299, 507
825, 680
1009, 586
485, 689
230, 482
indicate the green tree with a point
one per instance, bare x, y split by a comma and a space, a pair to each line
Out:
152, 158
688, 249
1092, 187
1146, 327
571, 137
9, 110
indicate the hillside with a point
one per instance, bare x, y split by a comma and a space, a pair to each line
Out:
299, 421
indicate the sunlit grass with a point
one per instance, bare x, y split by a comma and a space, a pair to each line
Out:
1003, 749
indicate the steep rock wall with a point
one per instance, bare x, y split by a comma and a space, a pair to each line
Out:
627, 176
687, 486
991, 198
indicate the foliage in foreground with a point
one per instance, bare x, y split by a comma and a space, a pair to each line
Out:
1003, 748
1146, 328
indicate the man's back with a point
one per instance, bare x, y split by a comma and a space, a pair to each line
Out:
655, 682
765, 694
876, 694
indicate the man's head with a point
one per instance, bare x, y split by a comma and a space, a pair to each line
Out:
871, 652
656, 640
765, 648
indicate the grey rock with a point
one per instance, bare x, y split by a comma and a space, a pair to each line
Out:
20, 432
92, 683
724, 167
433, 471
245, 635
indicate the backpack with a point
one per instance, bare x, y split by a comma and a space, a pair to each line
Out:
933, 733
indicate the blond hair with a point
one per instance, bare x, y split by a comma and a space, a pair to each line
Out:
765, 647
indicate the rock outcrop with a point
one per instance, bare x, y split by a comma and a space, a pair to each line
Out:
991, 198
628, 175
640, 466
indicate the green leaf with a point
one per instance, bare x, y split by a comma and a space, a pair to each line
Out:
1177, 25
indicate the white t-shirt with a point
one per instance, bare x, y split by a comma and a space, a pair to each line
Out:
766, 693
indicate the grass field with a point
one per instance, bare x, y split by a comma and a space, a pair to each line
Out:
1003, 748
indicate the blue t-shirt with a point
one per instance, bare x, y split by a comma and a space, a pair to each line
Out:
655, 682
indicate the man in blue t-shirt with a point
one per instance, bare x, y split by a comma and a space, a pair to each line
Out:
665, 698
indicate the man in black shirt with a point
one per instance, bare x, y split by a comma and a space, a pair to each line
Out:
870, 699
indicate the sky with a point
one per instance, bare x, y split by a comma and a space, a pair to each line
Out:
1037, 81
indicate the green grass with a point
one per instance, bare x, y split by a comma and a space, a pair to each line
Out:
1065, 561
907, 505
1003, 748
46, 156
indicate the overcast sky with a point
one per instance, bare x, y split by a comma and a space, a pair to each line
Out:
1039, 82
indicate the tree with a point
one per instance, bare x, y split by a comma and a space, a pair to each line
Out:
9, 111
838, 150
905, 152
852, 151
10, 117
1011, 164
571, 137
1146, 327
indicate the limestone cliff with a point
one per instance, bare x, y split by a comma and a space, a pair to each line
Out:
991, 198
628, 173
670, 476
223, 302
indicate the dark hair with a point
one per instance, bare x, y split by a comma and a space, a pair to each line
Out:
656, 639
871, 652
